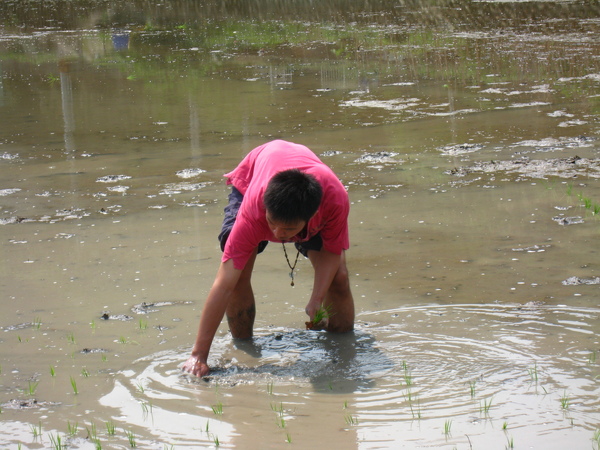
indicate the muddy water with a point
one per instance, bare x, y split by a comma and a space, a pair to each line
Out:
470, 151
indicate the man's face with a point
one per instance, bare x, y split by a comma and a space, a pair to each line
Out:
284, 231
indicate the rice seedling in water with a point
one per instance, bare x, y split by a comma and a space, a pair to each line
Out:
218, 409
140, 386
351, 420
564, 401
71, 338
447, 427
37, 323
472, 388
52, 372
270, 388
147, 409
485, 406
56, 441
85, 373
143, 324
74, 386
592, 357
505, 426
72, 428
36, 430
91, 431
131, 438
32, 387
110, 428
408, 379
596, 439
288, 438
511, 443
533, 373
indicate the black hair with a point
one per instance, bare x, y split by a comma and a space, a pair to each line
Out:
292, 196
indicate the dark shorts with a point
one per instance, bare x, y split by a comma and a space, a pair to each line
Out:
231, 211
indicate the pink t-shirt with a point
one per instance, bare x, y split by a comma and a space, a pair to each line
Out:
251, 178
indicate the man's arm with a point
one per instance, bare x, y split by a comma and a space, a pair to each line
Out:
210, 319
326, 265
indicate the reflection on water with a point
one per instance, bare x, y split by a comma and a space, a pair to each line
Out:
467, 134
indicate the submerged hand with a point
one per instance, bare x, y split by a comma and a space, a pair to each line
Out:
196, 367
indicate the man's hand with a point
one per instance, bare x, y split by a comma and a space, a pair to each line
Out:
319, 316
196, 367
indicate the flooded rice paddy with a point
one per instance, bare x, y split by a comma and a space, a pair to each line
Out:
467, 135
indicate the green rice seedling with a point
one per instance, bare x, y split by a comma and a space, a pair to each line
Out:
218, 409
592, 357
140, 387
207, 426
215, 439
280, 421
448, 427
104, 358
110, 428
131, 438
288, 438
71, 338
56, 441
36, 430
122, 340
351, 420
52, 372
533, 373
505, 426
72, 428
93, 324
32, 387
321, 315
596, 439
277, 408
511, 443
37, 323
98, 444
485, 406
85, 373
74, 386
143, 324
472, 388
564, 401
147, 410
91, 431
345, 404
270, 388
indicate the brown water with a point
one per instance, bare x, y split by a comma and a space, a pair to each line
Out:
474, 238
